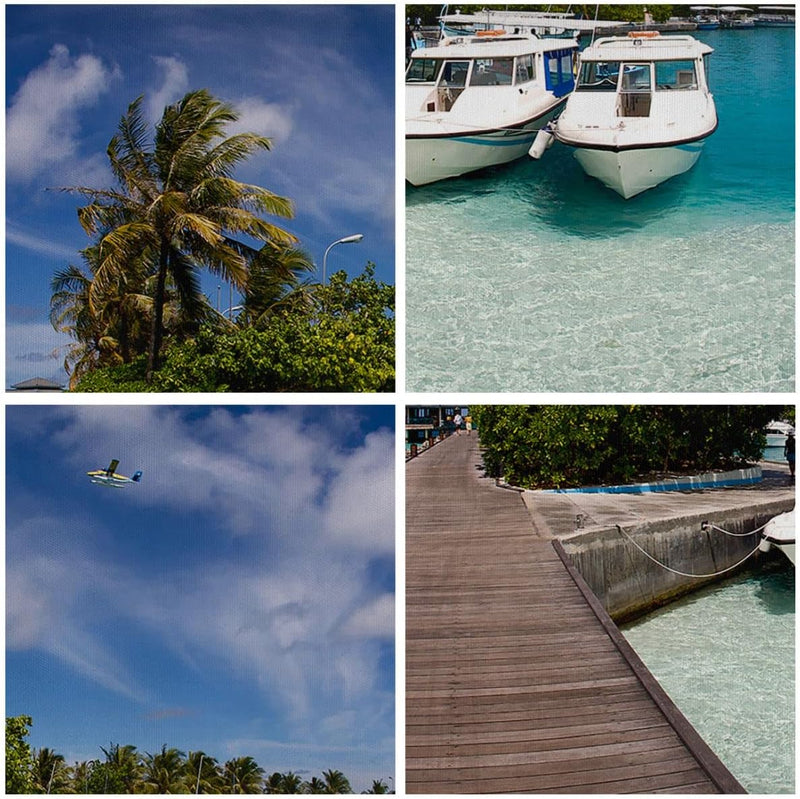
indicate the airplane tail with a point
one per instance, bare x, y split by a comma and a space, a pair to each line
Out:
137, 476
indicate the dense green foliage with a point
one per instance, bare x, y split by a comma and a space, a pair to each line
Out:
19, 760
342, 340
627, 13
562, 446
125, 770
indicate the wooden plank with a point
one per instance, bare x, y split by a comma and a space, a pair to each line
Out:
513, 684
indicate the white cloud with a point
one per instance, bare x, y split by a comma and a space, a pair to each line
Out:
42, 123
175, 83
266, 119
43, 245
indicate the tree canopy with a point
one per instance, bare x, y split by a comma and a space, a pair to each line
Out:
562, 446
125, 770
342, 339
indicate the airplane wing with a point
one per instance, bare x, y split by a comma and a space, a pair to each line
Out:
112, 467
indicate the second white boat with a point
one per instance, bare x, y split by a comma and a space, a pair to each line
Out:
478, 101
641, 110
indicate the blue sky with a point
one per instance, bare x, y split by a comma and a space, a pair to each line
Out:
239, 600
317, 80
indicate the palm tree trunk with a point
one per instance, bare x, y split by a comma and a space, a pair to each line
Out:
157, 329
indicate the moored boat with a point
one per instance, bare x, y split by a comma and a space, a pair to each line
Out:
706, 17
737, 18
478, 101
779, 532
775, 17
776, 432
641, 110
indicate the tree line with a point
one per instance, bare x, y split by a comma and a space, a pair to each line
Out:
563, 446
135, 302
124, 770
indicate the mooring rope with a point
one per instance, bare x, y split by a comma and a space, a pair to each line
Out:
686, 574
734, 535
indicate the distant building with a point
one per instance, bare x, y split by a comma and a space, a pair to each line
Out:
37, 384
425, 424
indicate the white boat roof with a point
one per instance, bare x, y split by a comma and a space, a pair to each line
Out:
473, 46
735, 9
641, 48
531, 19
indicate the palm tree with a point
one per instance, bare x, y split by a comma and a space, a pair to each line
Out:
177, 204
124, 764
275, 283
79, 776
378, 786
243, 775
203, 773
315, 785
165, 772
105, 318
336, 782
283, 783
50, 771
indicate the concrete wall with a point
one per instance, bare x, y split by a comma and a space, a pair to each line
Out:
629, 584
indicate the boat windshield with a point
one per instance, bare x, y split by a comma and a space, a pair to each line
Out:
526, 69
423, 70
492, 72
675, 75
598, 76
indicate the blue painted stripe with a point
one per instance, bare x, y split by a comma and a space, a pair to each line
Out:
652, 488
507, 141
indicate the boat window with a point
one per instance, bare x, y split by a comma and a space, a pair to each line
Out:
634, 95
672, 75
454, 74
598, 76
525, 69
491, 72
423, 70
559, 77
636, 78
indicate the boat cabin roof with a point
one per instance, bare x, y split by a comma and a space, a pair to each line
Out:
475, 46
645, 48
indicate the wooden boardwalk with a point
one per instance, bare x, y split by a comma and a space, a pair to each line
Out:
515, 680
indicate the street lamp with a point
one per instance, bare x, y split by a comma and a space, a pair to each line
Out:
346, 240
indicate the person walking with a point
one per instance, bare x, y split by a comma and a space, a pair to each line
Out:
788, 453
457, 420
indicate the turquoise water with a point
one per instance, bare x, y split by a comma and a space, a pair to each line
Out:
725, 656
535, 277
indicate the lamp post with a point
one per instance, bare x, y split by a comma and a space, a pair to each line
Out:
346, 240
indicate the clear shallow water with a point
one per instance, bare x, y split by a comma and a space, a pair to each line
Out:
534, 277
726, 656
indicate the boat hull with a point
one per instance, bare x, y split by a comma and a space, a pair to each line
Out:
630, 172
780, 533
433, 158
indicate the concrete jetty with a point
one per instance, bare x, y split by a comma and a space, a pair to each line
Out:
517, 680
680, 529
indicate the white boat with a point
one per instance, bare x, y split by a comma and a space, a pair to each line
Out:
779, 533
737, 17
706, 17
478, 101
641, 110
776, 433
775, 17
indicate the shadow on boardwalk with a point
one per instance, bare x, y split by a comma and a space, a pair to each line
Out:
514, 683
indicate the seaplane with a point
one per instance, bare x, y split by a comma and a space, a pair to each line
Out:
109, 477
